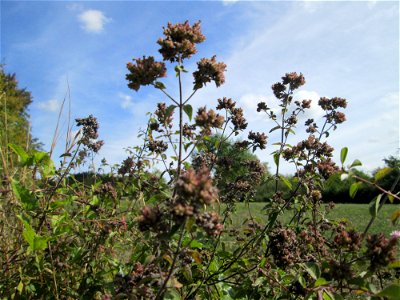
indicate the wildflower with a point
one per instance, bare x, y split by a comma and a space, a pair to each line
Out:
208, 119
395, 234
144, 72
196, 187
209, 70
380, 251
259, 139
180, 41
89, 133
294, 80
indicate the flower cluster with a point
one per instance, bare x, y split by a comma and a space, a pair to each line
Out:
157, 146
284, 247
127, 166
163, 116
209, 70
208, 119
89, 133
333, 103
237, 118
107, 189
348, 240
196, 187
141, 283
310, 144
209, 221
180, 41
144, 72
291, 81
259, 139
380, 250
150, 218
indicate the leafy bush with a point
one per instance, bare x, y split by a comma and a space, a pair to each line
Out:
142, 235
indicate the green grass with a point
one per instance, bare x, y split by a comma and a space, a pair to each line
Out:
357, 216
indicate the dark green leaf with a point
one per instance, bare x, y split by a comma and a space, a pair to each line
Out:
27, 199
373, 209
188, 109
354, 188
391, 292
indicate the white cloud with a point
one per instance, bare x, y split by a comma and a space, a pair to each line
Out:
93, 20
51, 105
126, 101
229, 2
75, 6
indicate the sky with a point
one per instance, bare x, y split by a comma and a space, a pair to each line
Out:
79, 50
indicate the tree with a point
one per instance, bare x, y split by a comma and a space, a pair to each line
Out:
14, 117
231, 164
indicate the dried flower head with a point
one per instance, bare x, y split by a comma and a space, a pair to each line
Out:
180, 41
259, 139
164, 116
208, 119
294, 80
89, 133
196, 187
209, 70
380, 250
144, 72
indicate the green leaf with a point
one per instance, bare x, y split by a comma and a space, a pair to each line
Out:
159, 85
320, 281
286, 182
275, 128
28, 200
313, 270
391, 292
276, 158
20, 152
170, 110
355, 163
188, 109
343, 154
354, 188
382, 173
172, 294
373, 209
196, 245
395, 216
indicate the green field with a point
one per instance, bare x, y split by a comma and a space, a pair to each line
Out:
357, 216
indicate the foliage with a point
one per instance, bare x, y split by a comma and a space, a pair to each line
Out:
136, 235
14, 117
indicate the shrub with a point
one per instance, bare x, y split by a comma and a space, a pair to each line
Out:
139, 236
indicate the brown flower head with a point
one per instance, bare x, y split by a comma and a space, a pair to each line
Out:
209, 70
259, 139
164, 116
209, 221
208, 119
294, 80
196, 187
380, 250
180, 41
90, 126
144, 72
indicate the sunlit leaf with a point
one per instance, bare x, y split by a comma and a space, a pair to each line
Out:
343, 154
382, 173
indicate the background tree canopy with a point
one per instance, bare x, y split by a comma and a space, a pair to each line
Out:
14, 117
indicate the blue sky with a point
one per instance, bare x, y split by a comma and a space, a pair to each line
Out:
346, 49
